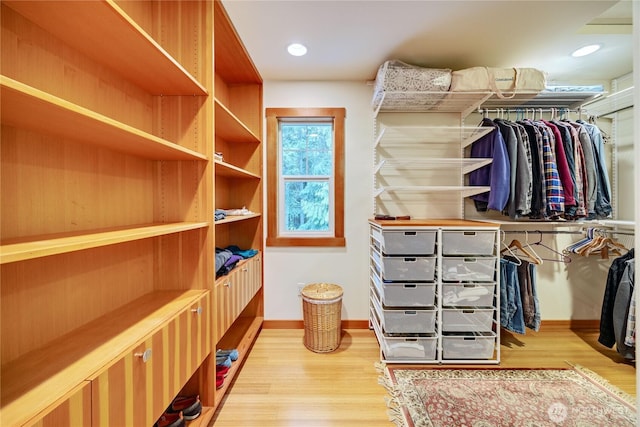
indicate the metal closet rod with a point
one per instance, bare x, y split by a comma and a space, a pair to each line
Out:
534, 232
559, 110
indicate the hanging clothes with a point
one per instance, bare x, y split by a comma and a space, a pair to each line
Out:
557, 169
521, 307
607, 336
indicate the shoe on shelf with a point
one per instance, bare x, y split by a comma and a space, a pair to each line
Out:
170, 419
189, 406
233, 354
222, 370
223, 361
219, 381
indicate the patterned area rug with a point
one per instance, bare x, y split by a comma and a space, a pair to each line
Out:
504, 398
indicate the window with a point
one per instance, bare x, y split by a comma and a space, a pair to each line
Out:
305, 176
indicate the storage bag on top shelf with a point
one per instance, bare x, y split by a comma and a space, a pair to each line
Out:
404, 86
504, 82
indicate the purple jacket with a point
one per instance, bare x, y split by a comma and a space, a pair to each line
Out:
496, 174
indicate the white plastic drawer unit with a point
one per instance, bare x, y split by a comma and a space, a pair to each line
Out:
400, 294
468, 269
407, 242
468, 346
468, 242
468, 294
419, 347
408, 269
467, 319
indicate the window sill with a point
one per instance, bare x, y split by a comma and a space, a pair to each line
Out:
307, 241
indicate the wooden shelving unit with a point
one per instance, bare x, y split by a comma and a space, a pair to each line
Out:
111, 112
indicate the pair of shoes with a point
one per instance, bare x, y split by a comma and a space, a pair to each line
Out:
223, 361
219, 381
233, 354
170, 419
189, 406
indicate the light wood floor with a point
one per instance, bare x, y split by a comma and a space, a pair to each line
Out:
284, 384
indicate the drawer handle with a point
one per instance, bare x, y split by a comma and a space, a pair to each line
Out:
146, 355
197, 311
411, 313
410, 260
469, 233
227, 284
410, 233
245, 269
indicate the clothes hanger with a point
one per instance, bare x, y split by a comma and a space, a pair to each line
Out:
564, 258
516, 244
508, 249
527, 245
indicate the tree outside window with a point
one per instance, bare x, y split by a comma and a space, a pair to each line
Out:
305, 173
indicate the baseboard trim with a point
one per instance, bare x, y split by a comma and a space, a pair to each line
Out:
573, 324
299, 324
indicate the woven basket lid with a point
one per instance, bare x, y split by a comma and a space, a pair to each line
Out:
322, 291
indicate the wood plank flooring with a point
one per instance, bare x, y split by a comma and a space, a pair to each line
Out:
284, 384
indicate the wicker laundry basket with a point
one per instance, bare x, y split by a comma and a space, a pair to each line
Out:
322, 307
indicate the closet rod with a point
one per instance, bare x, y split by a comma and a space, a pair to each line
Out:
534, 232
559, 110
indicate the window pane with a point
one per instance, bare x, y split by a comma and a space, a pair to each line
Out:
306, 205
306, 149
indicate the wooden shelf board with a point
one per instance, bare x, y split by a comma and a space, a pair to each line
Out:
40, 246
227, 169
232, 61
106, 34
229, 127
236, 218
31, 108
35, 381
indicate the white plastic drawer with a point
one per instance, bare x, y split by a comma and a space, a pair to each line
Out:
468, 294
468, 269
397, 294
396, 321
408, 269
468, 242
408, 242
422, 348
471, 346
467, 319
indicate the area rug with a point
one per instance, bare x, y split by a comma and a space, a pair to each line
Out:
436, 397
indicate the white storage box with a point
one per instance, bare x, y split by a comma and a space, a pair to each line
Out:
468, 269
398, 294
467, 319
417, 348
408, 242
472, 346
468, 294
416, 321
468, 242
408, 269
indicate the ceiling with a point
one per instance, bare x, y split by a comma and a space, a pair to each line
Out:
350, 39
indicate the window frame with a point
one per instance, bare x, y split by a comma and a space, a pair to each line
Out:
273, 117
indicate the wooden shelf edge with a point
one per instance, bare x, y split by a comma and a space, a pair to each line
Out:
227, 169
41, 246
204, 419
236, 218
84, 353
149, 66
31, 108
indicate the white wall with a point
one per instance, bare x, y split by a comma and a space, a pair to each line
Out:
348, 267
572, 291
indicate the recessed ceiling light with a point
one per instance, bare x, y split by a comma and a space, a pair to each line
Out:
586, 50
297, 49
